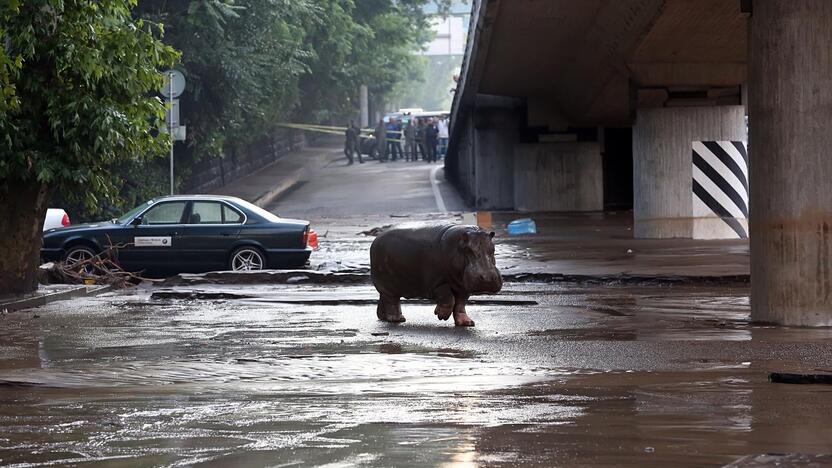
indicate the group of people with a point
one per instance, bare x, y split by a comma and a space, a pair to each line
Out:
427, 137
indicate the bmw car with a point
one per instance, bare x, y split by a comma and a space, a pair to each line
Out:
193, 233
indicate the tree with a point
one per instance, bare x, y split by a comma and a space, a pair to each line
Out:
79, 84
242, 60
370, 42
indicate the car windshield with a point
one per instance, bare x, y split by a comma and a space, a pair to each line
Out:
127, 216
271, 217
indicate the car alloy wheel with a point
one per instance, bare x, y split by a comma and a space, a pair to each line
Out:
247, 259
77, 255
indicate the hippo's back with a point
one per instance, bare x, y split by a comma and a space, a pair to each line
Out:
408, 261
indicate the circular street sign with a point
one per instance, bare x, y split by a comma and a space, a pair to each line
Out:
177, 79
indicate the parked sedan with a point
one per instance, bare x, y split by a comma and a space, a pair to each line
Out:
192, 233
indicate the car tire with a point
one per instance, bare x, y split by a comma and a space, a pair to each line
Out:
80, 253
247, 258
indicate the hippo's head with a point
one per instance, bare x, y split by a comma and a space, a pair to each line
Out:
480, 275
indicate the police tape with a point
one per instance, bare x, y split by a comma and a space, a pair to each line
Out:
335, 130
321, 128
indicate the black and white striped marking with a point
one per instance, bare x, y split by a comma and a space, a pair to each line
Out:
720, 183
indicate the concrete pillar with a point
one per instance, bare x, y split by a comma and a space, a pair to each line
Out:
663, 174
495, 134
364, 102
790, 114
558, 177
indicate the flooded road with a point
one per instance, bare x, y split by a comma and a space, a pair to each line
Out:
285, 376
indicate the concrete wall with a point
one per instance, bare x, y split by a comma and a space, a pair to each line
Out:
662, 172
495, 134
558, 177
211, 173
460, 165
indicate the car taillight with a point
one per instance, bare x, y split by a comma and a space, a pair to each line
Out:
310, 238
65, 220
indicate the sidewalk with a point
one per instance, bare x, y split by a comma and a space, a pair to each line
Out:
49, 293
273, 181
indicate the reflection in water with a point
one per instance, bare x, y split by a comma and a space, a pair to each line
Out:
601, 375
465, 455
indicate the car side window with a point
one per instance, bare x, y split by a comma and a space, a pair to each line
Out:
164, 213
231, 216
206, 212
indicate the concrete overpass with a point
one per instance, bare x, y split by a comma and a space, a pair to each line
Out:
567, 105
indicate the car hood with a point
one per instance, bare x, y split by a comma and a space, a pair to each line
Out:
85, 227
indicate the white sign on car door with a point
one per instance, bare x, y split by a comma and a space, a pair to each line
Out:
152, 241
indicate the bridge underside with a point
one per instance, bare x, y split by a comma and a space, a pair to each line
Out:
570, 105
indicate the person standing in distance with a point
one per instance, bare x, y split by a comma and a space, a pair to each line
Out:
410, 141
431, 140
442, 126
381, 141
357, 141
349, 142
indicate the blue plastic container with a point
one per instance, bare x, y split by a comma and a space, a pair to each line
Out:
522, 226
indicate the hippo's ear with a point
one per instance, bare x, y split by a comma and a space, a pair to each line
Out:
465, 237
491, 234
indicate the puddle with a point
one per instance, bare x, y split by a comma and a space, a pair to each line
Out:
566, 374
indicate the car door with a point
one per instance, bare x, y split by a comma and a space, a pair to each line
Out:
209, 235
154, 243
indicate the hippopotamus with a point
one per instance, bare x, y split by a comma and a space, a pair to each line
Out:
443, 263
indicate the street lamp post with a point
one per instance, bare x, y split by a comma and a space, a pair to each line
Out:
172, 90
170, 129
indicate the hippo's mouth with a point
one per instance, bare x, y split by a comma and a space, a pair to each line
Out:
485, 286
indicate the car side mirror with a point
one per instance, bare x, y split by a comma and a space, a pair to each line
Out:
136, 221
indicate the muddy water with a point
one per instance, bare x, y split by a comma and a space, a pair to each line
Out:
589, 376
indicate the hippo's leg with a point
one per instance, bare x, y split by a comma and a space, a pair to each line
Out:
444, 298
389, 309
461, 319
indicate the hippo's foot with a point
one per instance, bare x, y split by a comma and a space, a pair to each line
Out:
444, 311
389, 310
394, 318
463, 320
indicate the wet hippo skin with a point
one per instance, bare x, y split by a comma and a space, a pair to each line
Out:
444, 263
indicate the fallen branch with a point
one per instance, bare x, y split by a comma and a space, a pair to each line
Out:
99, 269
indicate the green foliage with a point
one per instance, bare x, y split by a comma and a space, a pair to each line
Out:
241, 60
79, 82
356, 42
250, 63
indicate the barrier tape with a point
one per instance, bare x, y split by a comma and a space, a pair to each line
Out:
331, 130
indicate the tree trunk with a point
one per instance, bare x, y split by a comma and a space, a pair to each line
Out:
22, 210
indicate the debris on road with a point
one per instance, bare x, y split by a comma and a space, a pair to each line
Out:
800, 379
522, 226
297, 279
376, 230
100, 269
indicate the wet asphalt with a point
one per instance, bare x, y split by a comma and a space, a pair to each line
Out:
561, 374
588, 375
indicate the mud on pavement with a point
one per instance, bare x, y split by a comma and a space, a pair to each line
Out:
553, 374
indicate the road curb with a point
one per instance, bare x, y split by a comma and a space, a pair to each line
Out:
286, 184
43, 299
362, 276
